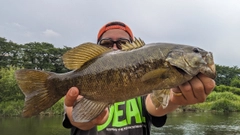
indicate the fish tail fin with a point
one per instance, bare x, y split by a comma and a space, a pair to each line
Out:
37, 96
160, 98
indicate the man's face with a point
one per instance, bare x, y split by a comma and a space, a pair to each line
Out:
115, 35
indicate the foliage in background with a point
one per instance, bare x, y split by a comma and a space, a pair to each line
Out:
218, 101
11, 108
225, 74
9, 52
34, 55
56, 109
235, 82
9, 91
224, 88
15, 108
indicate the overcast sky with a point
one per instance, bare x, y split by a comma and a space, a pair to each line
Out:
213, 25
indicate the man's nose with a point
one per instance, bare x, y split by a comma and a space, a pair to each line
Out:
115, 46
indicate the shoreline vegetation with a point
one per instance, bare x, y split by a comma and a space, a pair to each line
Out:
216, 102
44, 56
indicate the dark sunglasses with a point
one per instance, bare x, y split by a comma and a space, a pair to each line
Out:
109, 42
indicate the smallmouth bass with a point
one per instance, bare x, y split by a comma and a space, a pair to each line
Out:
105, 76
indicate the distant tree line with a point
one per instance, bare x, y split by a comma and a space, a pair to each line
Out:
229, 76
33, 55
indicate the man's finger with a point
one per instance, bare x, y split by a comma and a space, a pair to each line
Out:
198, 90
176, 90
177, 97
71, 96
208, 83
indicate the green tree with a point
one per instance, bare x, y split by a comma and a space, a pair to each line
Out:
224, 88
9, 53
56, 59
33, 55
43, 56
225, 74
235, 82
3, 52
9, 90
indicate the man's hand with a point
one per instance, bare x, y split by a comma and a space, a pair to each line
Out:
70, 98
192, 92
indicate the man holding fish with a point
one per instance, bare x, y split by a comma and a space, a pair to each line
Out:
133, 116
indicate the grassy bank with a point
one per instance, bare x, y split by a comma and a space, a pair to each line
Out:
14, 108
217, 102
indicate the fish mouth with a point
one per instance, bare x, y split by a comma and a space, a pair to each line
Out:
208, 71
181, 71
210, 68
213, 67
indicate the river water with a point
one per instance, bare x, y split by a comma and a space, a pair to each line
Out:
200, 124
177, 124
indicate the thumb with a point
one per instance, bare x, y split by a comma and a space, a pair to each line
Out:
71, 96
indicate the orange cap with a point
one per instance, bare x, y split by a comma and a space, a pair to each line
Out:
115, 25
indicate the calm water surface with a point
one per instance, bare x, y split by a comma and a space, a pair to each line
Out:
177, 124
200, 124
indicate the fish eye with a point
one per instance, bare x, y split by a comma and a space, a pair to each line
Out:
196, 50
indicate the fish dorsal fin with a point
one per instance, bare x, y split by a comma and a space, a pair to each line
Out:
76, 57
137, 43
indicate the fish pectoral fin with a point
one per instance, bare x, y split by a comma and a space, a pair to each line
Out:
137, 43
85, 110
161, 72
160, 98
76, 57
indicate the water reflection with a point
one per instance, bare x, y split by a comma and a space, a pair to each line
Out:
200, 124
177, 124
32, 126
